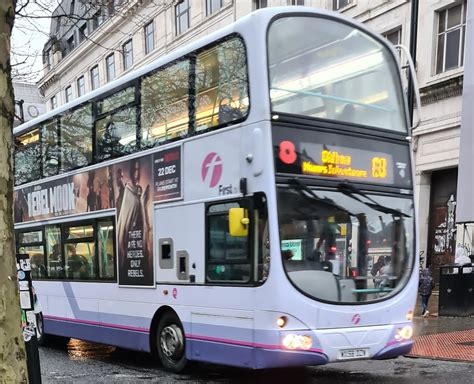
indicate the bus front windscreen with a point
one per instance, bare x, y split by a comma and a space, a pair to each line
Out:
345, 246
326, 69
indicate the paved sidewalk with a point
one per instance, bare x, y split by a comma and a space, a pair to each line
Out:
439, 337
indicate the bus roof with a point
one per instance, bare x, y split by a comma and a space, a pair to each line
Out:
247, 26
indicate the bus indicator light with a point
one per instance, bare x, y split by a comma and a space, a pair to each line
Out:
287, 152
281, 321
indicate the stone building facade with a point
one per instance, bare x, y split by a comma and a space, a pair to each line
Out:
121, 35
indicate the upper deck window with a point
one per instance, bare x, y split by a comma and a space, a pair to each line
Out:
76, 138
325, 69
27, 157
164, 104
221, 85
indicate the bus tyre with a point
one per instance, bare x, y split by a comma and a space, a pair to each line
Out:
170, 343
40, 329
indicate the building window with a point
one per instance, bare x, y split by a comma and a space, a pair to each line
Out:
296, 2
47, 59
110, 65
71, 7
394, 36
68, 93
182, 16
213, 6
260, 4
81, 86
70, 44
339, 4
53, 102
82, 32
451, 30
97, 19
95, 77
127, 50
149, 37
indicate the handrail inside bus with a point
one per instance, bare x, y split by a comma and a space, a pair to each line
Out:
343, 99
372, 290
411, 65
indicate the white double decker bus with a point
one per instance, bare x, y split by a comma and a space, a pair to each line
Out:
246, 200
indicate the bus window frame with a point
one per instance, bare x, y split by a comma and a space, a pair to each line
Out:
42, 243
312, 120
66, 114
244, 202
136, 82
250, 203
64, 242
24, 148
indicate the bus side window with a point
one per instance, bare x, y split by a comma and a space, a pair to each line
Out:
228, 258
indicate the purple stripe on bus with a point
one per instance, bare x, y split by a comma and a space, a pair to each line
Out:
248, 357
137, 329
261, 338
244, 343
392, 342
394, 350
125, 338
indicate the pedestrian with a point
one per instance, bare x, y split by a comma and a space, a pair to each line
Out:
425, 287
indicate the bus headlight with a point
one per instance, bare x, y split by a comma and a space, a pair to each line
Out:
404, 333
293, 341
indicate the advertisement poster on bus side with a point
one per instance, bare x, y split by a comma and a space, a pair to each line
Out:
134, 204
130, 187
167, 174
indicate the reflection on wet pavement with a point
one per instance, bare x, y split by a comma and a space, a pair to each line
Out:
82, 350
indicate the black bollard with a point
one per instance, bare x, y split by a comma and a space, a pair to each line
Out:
28, 318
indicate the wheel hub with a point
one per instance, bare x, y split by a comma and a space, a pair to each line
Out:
172, 341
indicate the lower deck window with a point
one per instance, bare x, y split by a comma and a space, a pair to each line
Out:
79, 251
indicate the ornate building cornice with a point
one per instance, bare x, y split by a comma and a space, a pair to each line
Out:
442, 90
46, 84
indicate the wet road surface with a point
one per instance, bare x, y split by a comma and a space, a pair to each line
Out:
82, 362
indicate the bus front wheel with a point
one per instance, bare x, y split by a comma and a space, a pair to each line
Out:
40, 329
170, 343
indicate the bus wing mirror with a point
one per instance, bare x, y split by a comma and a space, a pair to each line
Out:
416, 89
238, 222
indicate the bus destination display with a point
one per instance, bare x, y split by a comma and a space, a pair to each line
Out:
335, 156
339, 162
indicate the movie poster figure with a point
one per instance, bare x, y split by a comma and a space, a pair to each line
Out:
93, 198
133, 230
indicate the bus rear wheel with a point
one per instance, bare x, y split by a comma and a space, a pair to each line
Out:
171, 343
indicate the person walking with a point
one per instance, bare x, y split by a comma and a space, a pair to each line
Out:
425, 287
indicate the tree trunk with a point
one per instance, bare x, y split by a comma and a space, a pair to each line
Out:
12, 348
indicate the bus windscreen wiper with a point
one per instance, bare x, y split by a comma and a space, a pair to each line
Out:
299, 186
350, 190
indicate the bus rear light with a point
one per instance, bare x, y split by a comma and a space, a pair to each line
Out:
404, 333
292, 341
281, 321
